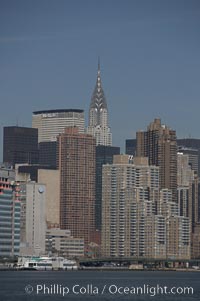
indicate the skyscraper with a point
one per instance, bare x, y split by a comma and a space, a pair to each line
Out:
104, 155
130, 147
158, 143
50, 123
47, 153
130, 224
98, 115
20, 145
130, 190
10, 211
33, 221
76, 162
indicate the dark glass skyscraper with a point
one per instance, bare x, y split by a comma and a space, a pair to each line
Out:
47, 153
20, 145
130, 146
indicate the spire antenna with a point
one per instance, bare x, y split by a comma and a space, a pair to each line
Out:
98, 64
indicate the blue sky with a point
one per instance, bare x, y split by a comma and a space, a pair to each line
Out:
149, 51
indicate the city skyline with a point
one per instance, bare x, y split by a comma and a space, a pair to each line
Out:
149, 60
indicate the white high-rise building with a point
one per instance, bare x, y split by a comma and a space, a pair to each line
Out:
98, 115
33, 222
130, 191
132, 226
51, 123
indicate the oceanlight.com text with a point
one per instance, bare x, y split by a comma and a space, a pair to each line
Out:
111, 289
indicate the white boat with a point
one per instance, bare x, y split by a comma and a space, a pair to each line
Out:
46, 263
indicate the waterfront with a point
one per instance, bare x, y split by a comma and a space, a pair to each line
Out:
100, 285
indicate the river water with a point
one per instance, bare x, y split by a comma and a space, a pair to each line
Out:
99, 285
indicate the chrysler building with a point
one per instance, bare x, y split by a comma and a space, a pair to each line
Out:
98, 115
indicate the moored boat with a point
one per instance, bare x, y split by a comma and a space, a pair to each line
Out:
46, 263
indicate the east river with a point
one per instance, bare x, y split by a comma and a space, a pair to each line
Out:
99, 285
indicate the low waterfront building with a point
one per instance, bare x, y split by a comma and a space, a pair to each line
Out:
62, 243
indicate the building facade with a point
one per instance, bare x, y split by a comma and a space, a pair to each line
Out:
187, 181
158, 143
130, 147
20, 145
76, 163
33, 221
98, 115
104, 155
178, 237
51, 180
130, 191
138, 220
193, 159
61, 242
47, 153
10, 212
50, 123
191, 143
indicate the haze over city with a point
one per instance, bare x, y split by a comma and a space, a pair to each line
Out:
149, 52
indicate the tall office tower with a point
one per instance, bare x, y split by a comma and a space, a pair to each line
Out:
20, 145
33, 221
130, 147
158, 143
104, 155
10, 209
76, 162
130, 190
50, 123
98, 115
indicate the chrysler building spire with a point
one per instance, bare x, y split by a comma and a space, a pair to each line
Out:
98, 114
